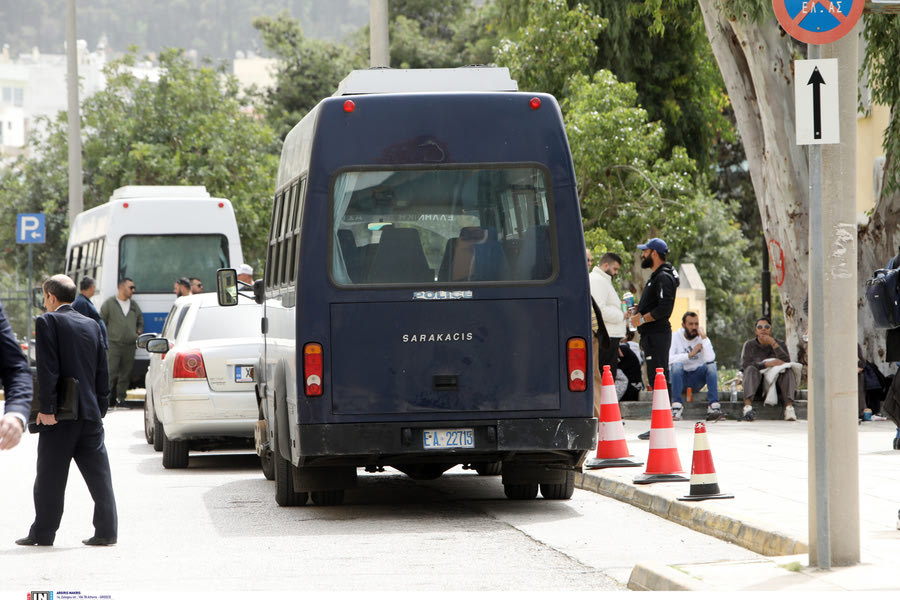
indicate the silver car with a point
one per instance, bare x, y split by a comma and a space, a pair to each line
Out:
200, 383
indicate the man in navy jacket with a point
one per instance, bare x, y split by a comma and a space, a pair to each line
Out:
83, 304
16, 386
69, 345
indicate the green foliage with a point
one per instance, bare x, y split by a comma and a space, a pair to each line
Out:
554, 44
309, 70
881, 65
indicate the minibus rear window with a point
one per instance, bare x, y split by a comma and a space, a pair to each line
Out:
413, 226
154, 262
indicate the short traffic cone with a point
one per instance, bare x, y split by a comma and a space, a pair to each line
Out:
704, 485
612, 451
663, 463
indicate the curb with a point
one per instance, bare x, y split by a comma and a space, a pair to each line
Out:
657, 577
693, 515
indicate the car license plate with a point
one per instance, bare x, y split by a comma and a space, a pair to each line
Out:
448, 438
244, 374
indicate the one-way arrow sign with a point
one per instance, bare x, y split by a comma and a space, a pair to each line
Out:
816, 101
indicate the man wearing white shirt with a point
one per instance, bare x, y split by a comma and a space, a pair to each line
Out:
604, 294
692, 364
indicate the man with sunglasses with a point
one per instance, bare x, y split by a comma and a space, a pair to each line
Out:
760, 353
124, 323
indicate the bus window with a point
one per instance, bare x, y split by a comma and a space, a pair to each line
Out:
173, 256
414, 226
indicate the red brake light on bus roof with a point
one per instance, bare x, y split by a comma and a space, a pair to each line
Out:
576, 364
312, 369
221, 205
125, 205
349, 106
535, 103
189, 365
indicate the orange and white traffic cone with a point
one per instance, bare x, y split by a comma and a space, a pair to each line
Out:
704, 484
663, 463
612, 451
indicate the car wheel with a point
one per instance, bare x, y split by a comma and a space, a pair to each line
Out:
159, 434
284, 483
559, 491
521, 491
268, 466
148, 423
328, 497
175, 454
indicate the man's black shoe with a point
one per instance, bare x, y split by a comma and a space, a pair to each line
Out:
99, 541
644, 436
28, 541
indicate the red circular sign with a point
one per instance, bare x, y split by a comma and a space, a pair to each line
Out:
818, 21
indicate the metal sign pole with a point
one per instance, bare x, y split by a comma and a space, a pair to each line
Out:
817, 322
28, 326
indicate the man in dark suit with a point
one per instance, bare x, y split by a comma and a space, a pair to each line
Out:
69, 345
16, 386
82, 303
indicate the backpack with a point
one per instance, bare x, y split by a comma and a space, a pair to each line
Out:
883, 296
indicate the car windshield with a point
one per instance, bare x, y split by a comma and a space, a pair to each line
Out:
484, 224
214, 322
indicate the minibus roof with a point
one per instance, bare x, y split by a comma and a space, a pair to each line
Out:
133, 192
463, 79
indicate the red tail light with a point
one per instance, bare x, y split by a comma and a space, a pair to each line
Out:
189, 365
312, 369
576, 363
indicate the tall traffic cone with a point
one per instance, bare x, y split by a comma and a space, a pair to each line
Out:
612, 451
704, 485
663, 463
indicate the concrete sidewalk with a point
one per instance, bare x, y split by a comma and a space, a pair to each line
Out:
764, 464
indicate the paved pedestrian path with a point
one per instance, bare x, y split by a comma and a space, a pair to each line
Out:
764, 464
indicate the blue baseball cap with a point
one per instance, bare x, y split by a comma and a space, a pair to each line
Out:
655, 244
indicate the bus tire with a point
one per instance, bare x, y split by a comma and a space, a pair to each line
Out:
520, 491
559, 491
328, 497
268, 465
175, 454
489, 468
284, 483
159, 434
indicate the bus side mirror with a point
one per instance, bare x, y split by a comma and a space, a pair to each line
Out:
259, 291
227, 287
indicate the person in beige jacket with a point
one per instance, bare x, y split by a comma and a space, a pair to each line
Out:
604, 294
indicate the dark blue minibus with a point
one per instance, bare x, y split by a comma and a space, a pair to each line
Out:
426, 291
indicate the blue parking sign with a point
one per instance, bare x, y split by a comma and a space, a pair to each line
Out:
30, 228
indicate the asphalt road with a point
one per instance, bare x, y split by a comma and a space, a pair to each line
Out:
215, 527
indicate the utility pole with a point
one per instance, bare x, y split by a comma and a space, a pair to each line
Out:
379, 43
76, 203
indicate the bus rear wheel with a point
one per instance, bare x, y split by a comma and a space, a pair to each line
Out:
284, 483
520, 491
559, 491
267, 463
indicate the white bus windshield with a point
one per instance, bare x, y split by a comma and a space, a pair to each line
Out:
485, 224
154, 262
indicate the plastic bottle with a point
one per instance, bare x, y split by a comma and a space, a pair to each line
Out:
733, 392
689, 396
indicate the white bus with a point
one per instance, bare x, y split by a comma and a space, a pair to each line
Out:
153, 235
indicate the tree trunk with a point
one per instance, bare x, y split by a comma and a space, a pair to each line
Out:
756, 61
879, 240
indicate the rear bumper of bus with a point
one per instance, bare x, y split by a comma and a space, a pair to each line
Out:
562, 441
